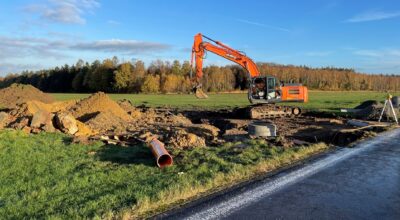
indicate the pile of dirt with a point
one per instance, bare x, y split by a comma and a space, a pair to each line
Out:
99, 115
366, 104
372, 109
107, 121
89, 116
129, 108
183, 139
29, 108
96, 103
16, 94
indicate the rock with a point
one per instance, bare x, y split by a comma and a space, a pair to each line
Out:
20, 123
26, 129
84, 130
49, 128
41, 117
66, 122
4, 119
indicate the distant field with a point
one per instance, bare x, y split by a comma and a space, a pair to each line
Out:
322, 100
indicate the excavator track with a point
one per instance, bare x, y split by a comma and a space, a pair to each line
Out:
265, 111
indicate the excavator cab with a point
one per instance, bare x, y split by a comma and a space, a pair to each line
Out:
264, 90
267, 90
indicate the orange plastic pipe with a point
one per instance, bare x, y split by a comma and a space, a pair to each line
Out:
163, 158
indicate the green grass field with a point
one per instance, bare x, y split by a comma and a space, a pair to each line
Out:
47, 176
318, 100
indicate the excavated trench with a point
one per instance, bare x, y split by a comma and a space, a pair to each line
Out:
306, 129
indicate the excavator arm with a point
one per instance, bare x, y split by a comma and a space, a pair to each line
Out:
198, 51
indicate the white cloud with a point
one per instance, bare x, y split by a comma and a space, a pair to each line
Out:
373, 16
263, 25
13, 47
117, 45
16, 52
67, 11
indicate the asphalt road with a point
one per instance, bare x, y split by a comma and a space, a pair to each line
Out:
351, 183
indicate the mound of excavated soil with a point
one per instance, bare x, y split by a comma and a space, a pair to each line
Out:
16, 94
371, 110
95, 104
366, 104
29, 108
183, 139
106, 121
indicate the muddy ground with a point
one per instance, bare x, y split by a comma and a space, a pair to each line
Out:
100, 118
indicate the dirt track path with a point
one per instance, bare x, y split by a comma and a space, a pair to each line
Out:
361, 182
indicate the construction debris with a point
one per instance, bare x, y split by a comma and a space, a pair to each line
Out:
66, 122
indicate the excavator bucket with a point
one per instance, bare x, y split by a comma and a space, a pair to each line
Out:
200, 94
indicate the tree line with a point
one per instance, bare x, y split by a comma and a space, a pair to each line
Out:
113, 76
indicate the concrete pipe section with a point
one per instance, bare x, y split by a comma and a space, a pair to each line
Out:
163, 158
261, 129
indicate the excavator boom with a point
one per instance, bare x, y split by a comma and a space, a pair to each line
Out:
200, 47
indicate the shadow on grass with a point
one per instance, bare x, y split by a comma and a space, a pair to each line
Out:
138, 154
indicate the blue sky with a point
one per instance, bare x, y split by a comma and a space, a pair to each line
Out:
364, 35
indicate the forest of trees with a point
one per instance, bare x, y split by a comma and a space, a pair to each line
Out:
113, 76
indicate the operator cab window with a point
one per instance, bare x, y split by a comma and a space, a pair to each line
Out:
271, 88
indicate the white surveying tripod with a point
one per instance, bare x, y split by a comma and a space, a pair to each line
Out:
390, 106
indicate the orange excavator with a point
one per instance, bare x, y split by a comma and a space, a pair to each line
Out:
264, 91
